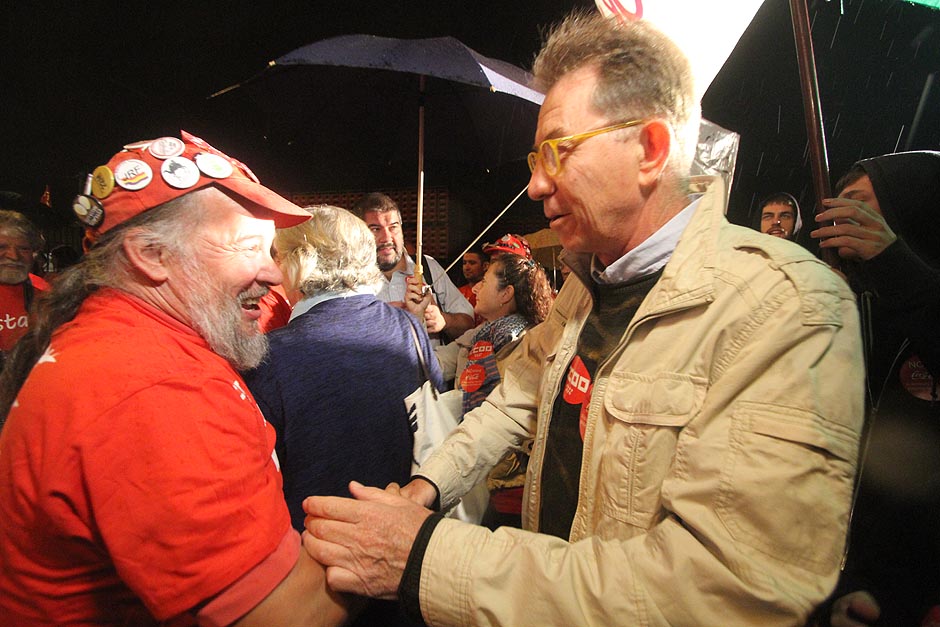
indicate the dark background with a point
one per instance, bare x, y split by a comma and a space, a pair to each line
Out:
80, 80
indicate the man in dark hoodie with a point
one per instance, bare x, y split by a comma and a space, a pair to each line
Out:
885, 225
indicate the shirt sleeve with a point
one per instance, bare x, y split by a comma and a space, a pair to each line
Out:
450, 298
252, 587
185, 492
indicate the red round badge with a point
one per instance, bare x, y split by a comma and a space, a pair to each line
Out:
472, 378
916, 378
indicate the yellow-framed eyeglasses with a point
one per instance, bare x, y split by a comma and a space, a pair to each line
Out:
547, 151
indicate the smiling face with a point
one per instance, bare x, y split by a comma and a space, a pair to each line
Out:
778, 219
226, 270
594, 202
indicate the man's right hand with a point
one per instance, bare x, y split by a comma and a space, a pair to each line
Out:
417, 298
853, 228
364, 542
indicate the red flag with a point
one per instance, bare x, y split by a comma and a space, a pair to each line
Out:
46, 198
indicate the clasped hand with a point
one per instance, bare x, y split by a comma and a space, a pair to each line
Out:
364, 542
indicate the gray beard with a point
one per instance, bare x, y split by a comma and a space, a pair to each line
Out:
388, 266
12, 275
217, 318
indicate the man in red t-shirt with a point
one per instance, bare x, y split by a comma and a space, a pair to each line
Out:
19, 243
475, 263
138, 479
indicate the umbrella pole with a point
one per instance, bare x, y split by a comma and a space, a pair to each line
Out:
487, 228
812, 112
419, 236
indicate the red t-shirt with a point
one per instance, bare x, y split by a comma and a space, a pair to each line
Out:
14, 321
136, 479
467, 290
275, 309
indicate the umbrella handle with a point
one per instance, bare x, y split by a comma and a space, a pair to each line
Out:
419, 237
812, 112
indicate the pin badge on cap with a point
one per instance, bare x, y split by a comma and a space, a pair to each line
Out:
133, 174
141, 145
214, 165
88, 210
166, 147
179, 172
102, 181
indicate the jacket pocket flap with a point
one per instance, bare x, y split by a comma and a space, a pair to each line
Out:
799, 426
665, 399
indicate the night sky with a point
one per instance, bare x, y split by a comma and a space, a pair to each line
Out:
82, 79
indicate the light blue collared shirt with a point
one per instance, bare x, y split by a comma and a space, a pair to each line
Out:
650, 256
309, 302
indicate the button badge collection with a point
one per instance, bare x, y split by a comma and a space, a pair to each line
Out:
136, 174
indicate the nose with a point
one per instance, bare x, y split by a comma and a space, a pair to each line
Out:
476, 288
269, 272
541, 184
383, 235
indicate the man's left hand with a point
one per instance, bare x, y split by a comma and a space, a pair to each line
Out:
364, 543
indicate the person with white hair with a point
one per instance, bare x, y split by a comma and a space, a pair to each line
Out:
138, 480
20, 242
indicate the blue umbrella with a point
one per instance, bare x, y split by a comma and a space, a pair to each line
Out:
440, 57
367, 81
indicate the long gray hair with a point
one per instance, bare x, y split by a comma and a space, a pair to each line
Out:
105, 265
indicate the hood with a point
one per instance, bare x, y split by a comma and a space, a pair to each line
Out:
907, 185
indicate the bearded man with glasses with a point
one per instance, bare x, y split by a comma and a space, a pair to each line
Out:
693, 402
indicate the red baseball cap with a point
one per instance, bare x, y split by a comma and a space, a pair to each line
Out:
509, 243
148, 173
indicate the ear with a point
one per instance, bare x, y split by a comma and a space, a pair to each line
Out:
147, 257
509, 289
657, 142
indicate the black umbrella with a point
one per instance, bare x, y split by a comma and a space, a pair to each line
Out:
336, 91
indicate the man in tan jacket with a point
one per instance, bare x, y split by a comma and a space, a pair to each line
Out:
694, 401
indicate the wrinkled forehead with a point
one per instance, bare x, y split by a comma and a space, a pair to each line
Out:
224, 216
382, 218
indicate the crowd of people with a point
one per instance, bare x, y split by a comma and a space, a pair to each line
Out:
206, 418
